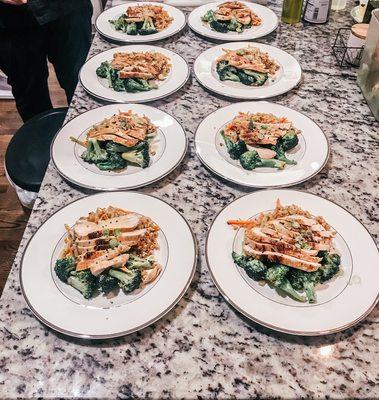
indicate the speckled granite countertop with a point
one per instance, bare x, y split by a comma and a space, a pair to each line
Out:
203, 348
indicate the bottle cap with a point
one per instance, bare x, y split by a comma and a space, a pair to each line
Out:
360, 30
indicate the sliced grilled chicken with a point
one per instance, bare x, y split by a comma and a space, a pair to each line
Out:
98, 256
287, 235
123, 237
127, 142
284, 259
99, 266
124, 223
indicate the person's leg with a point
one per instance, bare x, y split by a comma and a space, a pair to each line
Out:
69, 40
23, 60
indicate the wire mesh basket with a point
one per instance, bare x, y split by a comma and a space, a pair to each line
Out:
346, 56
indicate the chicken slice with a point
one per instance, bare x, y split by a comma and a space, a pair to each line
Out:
123, 237
96, 256
290, 261
127, 142
99, 266
124, 223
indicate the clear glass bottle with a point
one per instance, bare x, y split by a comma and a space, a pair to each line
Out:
338, 5
291, 11
317, 11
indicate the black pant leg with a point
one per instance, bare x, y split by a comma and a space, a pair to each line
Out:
69, 40
23, 60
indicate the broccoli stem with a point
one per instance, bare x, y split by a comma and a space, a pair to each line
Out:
310, 292
286, 287
271, 163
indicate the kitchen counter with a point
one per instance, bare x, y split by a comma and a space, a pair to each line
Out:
203, 348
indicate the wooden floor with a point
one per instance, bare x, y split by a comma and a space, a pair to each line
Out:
13, 218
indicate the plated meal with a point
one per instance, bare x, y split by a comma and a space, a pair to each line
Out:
109, 250
233, 20
291, 258
289, 249
144, 19
261, 144
232, 16
136, 74
260, 140
140, 22
124, 138
105, 256
249, 65
118, 147
247, 70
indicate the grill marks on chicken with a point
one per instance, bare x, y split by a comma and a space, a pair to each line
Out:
147, 65
235, 9
288, 235
125, 128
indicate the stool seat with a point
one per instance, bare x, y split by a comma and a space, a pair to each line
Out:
28, 152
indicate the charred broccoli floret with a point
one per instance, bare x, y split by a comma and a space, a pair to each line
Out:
276, 276
330, 265
259, 78
219, 26
148, 27
134, 85
107, 283
114, 161
281, 155
304, 281
227, 73
64, 267
289, 141
235, 150
84, 282
208, 16
135, 262
246, 79
254, 268
131, 28
139, 156
103, 70
250, 160
94, 153
119, 23
127, 280
114, 81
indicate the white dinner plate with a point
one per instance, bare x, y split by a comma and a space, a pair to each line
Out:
286, 78
311, 154
63, 309
106, 29
341, 303
268, 25
98, 87
170, 145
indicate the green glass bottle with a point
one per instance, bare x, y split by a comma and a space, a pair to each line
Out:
291, 12
371, 5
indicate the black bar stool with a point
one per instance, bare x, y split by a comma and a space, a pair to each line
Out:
28, 153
